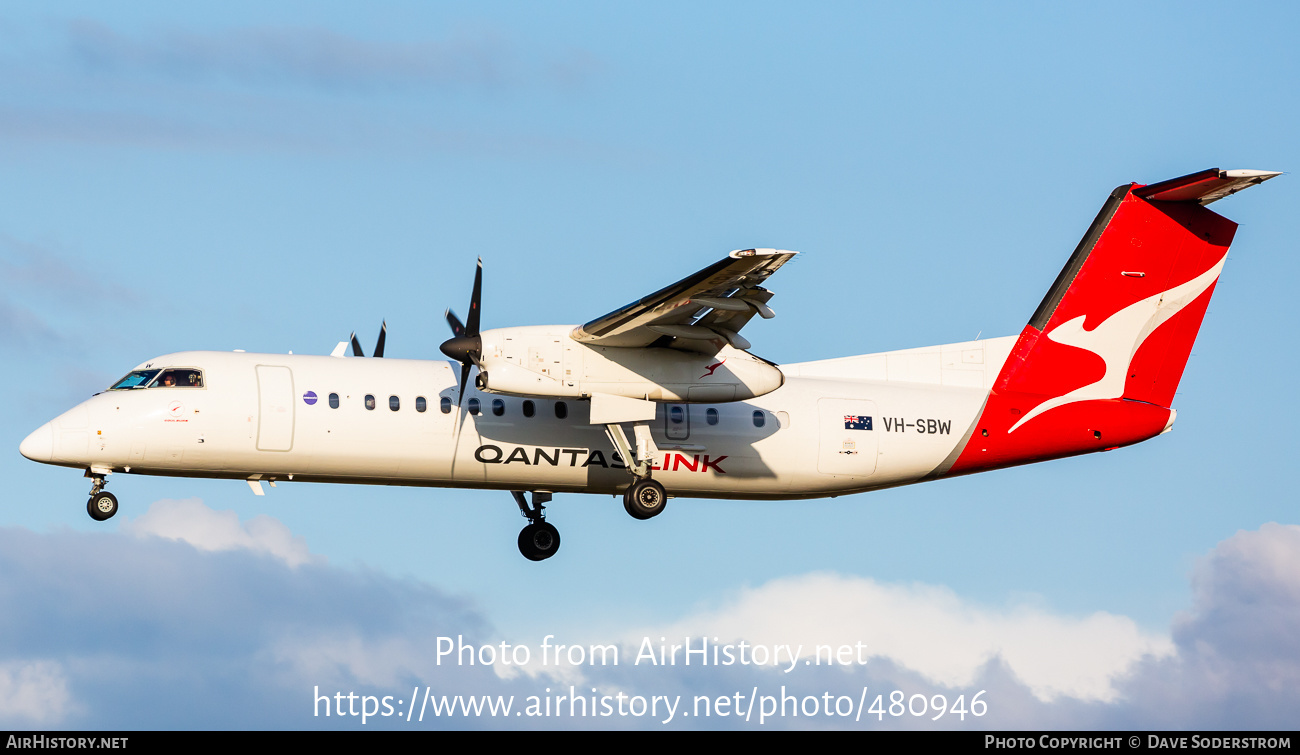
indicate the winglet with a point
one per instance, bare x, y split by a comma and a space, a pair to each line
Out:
1204, 187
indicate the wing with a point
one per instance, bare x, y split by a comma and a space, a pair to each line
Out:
699, 312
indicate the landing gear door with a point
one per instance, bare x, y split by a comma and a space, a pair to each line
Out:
848, 437
275, 406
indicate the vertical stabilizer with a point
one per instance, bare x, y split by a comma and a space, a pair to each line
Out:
1100, 360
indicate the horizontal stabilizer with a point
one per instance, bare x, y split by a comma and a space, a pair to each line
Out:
1204, 187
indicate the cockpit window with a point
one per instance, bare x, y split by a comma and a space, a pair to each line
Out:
137, 379
169, 378
179, 378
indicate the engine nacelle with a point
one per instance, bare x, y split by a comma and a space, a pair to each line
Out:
544, 361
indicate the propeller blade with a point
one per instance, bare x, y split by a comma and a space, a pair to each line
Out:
471, 327
356, 346
465, 345
383, 334
457, 328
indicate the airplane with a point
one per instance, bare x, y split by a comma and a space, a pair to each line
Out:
550, 408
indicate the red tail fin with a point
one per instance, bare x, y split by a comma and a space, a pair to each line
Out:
1099, 362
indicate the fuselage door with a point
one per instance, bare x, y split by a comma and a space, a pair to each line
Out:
849, 441
275, 407
677, 421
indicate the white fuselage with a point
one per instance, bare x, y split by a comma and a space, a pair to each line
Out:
269, 417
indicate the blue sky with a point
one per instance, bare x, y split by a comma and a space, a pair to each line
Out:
271, 179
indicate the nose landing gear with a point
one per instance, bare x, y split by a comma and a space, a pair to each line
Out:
539, 540
102, 504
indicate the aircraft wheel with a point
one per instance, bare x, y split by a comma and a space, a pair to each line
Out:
539, 541
645, 499
101, 506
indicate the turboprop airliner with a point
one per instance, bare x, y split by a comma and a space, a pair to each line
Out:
663, 398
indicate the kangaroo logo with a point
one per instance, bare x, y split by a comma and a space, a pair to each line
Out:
1119, 337
709, 370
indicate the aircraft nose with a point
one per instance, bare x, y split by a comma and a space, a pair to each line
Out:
39, 446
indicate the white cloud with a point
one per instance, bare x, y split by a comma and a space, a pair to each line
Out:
1231, 662
33, 692
1238, 649
1249, 567
138, 632
219, 635
932, 631
383, 662
193, 522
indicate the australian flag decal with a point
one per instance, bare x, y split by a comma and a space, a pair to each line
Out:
856, 422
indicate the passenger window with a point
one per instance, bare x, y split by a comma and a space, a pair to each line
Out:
529, 409
420, 404
711, 416
394, 403
498, 407
445, 404
561, 410
473, 406
334, 400
370, 402
677, 414
759, 419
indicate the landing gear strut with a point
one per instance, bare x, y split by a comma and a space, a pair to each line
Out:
539, 540
102, 504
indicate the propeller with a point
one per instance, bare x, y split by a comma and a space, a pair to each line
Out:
379, 345
465, 345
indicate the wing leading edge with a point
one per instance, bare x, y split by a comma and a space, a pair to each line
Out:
708, 307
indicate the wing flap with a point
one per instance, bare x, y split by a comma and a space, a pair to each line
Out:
719, 299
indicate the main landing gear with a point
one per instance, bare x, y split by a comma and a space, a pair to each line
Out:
102, 504
644, 498
538, 540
